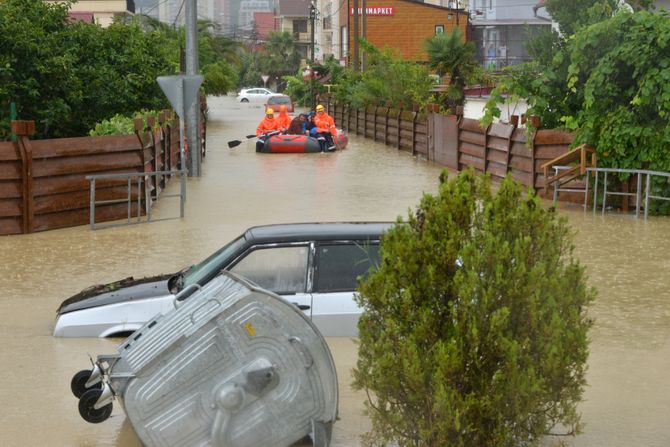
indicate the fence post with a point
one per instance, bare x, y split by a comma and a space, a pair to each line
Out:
348, 116
374, 129
486, 148
151, 122
386, 124
398, 122
22, 129
415, 114
358, 113
532, 161
140, 127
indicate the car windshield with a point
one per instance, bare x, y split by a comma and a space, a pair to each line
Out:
213, 263
279, 100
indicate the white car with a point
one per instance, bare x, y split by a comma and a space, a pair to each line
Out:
255, 95
313, 265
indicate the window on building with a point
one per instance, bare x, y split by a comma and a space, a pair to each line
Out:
299, 26
439, 29
500, 46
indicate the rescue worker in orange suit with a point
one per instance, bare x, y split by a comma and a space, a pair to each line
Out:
283, 119
325, 128
268, 126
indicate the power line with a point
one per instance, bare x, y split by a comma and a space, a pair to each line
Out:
153, 7
178, 12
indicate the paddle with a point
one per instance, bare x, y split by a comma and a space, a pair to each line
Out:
234, 143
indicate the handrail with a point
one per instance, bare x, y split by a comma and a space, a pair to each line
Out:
638, 193
577, 154
142, 177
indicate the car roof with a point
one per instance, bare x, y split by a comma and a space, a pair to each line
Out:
316, 231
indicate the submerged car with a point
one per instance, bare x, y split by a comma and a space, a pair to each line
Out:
312, 265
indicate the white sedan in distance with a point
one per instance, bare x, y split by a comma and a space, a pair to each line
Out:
255, 95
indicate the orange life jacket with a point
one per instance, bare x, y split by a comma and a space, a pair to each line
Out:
284, 120
324, 124
267, 125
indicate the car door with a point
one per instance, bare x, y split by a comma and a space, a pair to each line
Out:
280, 268
337, 266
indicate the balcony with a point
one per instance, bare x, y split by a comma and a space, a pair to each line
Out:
302, 37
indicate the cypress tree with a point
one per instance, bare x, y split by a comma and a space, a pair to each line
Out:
474, 330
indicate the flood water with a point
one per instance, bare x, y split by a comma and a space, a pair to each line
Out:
627, 402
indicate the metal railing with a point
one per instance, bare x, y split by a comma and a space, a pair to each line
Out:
642, 195
557, 184
142, 179
638, 193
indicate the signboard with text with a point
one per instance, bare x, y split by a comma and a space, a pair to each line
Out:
374, 11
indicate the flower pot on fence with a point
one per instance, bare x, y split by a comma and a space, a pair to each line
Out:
514, 120
535, 121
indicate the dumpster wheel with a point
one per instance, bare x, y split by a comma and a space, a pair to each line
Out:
78, 383
88, 412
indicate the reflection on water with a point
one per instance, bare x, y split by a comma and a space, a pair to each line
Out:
628, 398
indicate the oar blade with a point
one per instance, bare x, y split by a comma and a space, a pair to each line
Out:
234, 143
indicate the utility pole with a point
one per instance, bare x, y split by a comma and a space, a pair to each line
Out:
193, 113
312, 17
355, 35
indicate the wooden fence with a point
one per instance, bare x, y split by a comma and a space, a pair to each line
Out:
458, 142
43, 183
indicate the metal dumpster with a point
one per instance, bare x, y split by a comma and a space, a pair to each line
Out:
231, 366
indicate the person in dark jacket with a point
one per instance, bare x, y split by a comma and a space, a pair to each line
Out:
310, 126
298, 125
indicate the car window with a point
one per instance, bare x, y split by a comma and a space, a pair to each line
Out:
253, 92
339, 266
279, 100
282, 270
213, 264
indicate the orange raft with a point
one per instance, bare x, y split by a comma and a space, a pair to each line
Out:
278, 144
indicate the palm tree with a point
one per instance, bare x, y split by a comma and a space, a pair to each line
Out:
450, 54
281, 55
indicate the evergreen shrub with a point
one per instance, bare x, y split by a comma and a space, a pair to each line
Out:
474, 330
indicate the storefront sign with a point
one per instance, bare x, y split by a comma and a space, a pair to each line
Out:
374, 11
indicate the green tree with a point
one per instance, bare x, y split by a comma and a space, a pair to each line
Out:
280, 55
250, 72
387, 77
68, 76
451, 55
474, 329
304, 91
620, 70
574, 14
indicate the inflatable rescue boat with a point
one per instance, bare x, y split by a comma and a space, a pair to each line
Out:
277, 144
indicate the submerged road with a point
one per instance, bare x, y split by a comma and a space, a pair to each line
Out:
628, 398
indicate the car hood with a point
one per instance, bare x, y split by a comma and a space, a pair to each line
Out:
128, 289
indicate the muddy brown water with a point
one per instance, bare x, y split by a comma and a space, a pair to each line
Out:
627, 402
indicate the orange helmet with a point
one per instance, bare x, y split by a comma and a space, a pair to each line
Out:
282, 108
